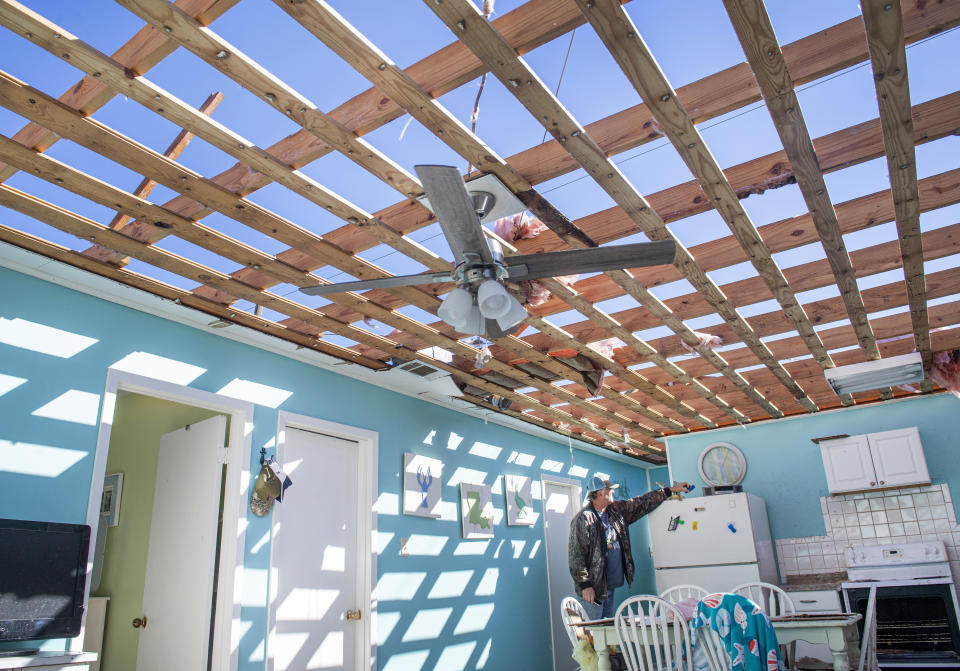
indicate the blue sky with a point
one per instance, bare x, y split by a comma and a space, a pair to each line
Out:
592, 88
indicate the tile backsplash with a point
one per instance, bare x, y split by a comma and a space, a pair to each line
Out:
908, 515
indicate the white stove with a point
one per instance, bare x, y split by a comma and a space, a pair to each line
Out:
902, 563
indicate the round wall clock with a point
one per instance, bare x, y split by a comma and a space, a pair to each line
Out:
722, 464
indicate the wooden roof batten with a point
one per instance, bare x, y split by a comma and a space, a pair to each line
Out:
888, 58
627, 47
392, 223
150, 99
527, 88
35, 105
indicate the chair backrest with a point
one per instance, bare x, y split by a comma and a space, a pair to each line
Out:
572, 613
709, 642
653, 635
683, 592
771, 599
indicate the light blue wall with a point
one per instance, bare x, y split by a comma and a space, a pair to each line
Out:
475, 631
786, 469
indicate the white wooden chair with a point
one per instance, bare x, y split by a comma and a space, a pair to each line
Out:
709, 642
683, 592
572, 613
773, 601
653, 635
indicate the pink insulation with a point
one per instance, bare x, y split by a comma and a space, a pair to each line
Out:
946, 370
708, 341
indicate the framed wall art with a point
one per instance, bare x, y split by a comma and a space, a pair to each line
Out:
422, 485
518, 492
110, 500
476, 511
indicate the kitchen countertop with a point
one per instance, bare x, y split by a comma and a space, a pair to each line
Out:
809, 582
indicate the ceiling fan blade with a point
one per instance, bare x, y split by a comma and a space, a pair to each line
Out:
594, 259
379, 283
453, 206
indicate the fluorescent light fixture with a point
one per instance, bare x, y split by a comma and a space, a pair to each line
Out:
889, 372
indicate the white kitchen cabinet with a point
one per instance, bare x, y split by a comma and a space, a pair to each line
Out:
874, 461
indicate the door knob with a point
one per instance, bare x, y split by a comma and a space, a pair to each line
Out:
353, 614
140, 622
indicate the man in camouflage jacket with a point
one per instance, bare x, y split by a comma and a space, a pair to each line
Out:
599, 548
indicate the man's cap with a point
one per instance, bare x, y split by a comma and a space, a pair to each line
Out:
597, 483
269, 487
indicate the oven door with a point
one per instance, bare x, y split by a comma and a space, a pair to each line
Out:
916, 624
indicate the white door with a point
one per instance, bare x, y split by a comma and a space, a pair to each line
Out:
561, 501
178, 589
848, 464
316, 561
898, 457
721, 523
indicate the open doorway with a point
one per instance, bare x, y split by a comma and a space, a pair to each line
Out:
183, 455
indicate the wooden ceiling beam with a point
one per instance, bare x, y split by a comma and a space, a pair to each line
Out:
144, 50
760, 44
888, 56
624, 42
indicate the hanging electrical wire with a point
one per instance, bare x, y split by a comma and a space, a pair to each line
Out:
487, 10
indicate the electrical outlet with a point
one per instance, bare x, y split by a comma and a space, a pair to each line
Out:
404, 548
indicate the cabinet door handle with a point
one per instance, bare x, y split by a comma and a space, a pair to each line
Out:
873, 484
882, 482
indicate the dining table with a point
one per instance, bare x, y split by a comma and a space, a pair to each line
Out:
838, 631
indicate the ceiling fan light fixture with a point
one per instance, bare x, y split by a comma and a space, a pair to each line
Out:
493, 299
516, 314
474, 324
456, 307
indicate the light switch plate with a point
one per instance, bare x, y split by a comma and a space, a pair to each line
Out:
404, 549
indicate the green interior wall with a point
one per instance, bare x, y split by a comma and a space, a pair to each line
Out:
139, 423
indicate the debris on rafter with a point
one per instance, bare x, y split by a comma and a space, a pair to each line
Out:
708, 341
592, 372
606, 347
945, 370
483, 356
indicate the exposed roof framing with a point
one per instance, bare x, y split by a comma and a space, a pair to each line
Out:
777, 338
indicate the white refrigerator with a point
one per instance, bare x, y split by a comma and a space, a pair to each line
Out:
716, 542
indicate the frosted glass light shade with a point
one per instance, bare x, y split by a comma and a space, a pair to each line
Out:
493, 299
514, 315
475, 323
455, 308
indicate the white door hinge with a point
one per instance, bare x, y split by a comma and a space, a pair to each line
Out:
223, 455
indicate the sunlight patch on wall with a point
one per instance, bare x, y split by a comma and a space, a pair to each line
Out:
475, 618
9, 383
387, 504
330, 652
334, 559
264, 539
285, 647
426, 545
552, 465
427, 624
455, 657
407, 661
254, 392
430, 436
44, 339
254, 586
536, 492
577, 472
520, 458
471, 548
534, 549
485, 450
159, 368
467, 475
398, 586
450, 584
485, 655
238, 630
384, 624
453, 442
381, 539
72, 405
306, 603
40, 460
488, 583
518, 548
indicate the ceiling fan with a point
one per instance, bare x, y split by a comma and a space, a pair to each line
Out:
480, 305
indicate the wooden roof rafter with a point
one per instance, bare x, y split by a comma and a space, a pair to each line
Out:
884, 25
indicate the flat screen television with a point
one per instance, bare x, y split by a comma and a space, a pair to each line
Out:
43, 571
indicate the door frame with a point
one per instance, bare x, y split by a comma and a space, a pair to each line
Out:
578, 489
368, 449
224, 657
